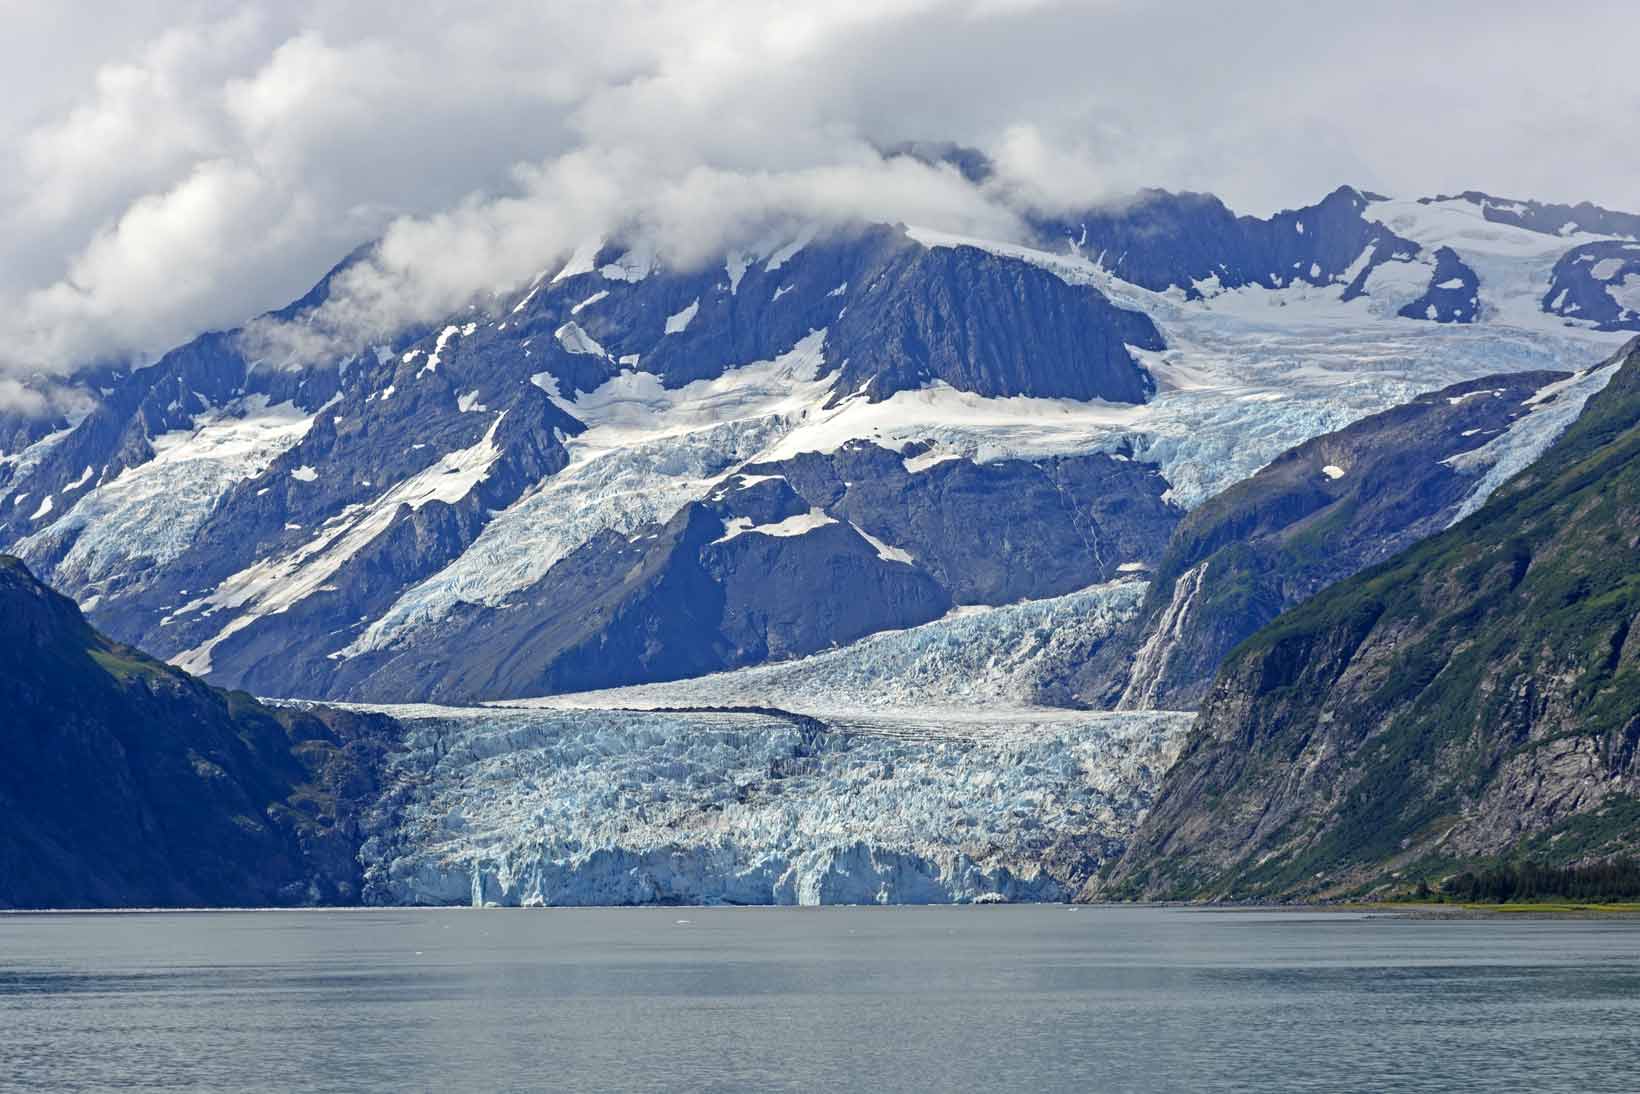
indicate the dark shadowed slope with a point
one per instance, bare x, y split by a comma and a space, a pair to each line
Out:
125, 782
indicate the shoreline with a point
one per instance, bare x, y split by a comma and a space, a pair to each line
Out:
1399, 910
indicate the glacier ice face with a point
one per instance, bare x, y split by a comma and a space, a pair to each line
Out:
927, 777
590, 807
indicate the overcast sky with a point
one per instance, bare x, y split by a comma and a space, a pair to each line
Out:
169, 166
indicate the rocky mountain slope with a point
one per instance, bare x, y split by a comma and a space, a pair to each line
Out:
785, 559
1318, 513
558, 489
128, 783
1477, 695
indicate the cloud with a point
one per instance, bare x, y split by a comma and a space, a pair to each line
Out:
181, 165
19, 398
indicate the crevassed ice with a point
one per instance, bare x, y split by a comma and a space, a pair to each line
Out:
1553, 409
606, 807
150, 512
974, 660
273, 585
648, 452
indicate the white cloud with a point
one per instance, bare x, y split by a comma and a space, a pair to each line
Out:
180, 165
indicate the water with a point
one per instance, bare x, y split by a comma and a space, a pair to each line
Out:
948, 999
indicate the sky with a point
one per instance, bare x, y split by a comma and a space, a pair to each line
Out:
174, 166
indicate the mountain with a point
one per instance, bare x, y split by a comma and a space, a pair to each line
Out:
1194, 243
786, 559
934, 497
1476, 696
128, 783
1549, 218
1318, 513
625, 472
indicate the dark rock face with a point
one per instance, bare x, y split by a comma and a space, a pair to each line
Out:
994, 533
1550, 218
957, 315
1477, 695
1582, 283
1161, 240
898, 316
1318, 513
784, 560
128, 783
1453, 295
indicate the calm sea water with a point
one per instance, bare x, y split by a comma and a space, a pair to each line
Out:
948, 999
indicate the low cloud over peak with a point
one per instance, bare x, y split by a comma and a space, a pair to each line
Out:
183, 166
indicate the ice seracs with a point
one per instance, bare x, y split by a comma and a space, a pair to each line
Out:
548, 807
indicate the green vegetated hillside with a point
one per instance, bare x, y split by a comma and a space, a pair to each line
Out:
1475, 697
125, 782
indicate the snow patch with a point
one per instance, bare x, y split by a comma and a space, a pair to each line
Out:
789, 251
884, 551
736, 266
801, 524
678, 322
580, 262
1605, 269
589, 301
1626, 293
575, 340
443, 340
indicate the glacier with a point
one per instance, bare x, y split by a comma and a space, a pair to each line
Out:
1245, 377
975, 661
910, 767
149, 512
606, 807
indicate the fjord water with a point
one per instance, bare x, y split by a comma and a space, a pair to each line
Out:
951, 999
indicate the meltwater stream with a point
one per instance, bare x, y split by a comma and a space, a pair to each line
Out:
905, 999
